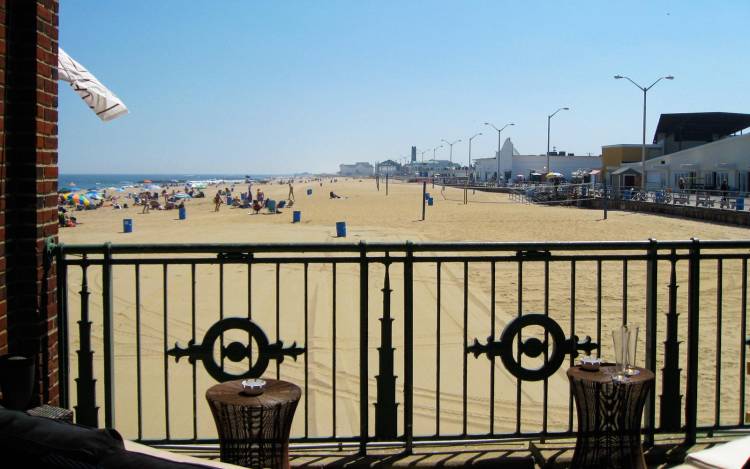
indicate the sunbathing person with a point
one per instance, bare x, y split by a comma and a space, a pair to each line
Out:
333, 195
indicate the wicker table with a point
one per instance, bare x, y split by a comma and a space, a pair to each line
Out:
609, 417
254, 430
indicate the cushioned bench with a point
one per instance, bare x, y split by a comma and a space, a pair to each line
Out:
30, 441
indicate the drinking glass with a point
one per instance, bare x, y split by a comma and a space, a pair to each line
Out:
632, 338
619, 337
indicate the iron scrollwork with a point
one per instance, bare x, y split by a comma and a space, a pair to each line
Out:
532, 347
235, 351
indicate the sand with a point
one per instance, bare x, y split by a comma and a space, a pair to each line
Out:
372, 216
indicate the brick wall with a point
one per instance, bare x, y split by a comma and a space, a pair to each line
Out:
29, 183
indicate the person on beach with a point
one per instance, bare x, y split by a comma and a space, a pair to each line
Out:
145, 201
333, 195
217, 201
291, 191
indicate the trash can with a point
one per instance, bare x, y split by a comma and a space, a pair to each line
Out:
127, 225
296, 216
426, 196
309, 191
183, 213
341, 229
740, 204
429, 201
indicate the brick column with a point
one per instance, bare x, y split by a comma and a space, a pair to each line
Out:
29, 184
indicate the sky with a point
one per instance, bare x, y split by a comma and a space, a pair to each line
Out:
275, 87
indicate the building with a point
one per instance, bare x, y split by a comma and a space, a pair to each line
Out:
432, 168
513, 164
702, 148
356, 169
388, 167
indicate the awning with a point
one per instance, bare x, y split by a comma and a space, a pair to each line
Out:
594, 172
101, 100
625, 169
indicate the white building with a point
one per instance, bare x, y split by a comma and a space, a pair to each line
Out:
431, 168
513, 164
356, 169
704, 166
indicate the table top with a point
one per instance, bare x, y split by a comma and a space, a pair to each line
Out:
276, 392
604, 375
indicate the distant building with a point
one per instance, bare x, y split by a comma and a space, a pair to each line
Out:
356, 169
702, 148
431, 168
513, 164
388, 167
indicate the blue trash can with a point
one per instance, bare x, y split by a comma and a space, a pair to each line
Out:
183, 213
740, 204
429, 201
296, 216
271, 206
309, 191
127, 225
627, 194
426, 196
341, 229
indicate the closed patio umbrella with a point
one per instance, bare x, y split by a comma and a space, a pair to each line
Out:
100, 99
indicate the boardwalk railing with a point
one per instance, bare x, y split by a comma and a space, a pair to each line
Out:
399, 342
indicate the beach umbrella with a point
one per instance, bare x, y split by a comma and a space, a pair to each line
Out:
554, 175
182, 196
79, 199
101, 100
147, 181
93, 195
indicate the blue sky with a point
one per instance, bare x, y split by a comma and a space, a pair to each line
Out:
284, 86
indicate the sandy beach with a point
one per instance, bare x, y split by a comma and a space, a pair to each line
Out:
372, 216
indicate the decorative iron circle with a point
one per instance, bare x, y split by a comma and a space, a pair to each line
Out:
532, 347
235, 350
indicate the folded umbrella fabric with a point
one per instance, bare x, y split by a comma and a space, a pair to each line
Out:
100, 99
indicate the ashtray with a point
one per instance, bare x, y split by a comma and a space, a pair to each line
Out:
253, 387
589, 363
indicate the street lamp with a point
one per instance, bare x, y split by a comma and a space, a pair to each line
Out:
451, 145
549, 118
470, 139
422, 155
433, 152
499, 144
643, 143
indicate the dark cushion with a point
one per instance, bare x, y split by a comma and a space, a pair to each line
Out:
38, 439
29, 442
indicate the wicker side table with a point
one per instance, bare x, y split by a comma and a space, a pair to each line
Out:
609, 417
254, 430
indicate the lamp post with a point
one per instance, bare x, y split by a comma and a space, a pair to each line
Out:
451, 145
434, 150
499, 145
549, 119
422, 155
470, 139
643, 142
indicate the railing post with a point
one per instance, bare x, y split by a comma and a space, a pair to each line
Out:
408, 346
386, 420
691, 389
86, 409
62, 326
671, 399
364, 374
108, 335
652, 269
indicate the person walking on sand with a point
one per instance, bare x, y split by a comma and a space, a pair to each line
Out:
217, 202
145, 200
291, 191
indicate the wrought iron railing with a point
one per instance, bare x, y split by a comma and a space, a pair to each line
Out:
399, 342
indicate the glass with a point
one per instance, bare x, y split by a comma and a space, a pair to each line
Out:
625, 340
632, 336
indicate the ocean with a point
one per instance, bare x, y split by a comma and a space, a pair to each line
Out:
97, 181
